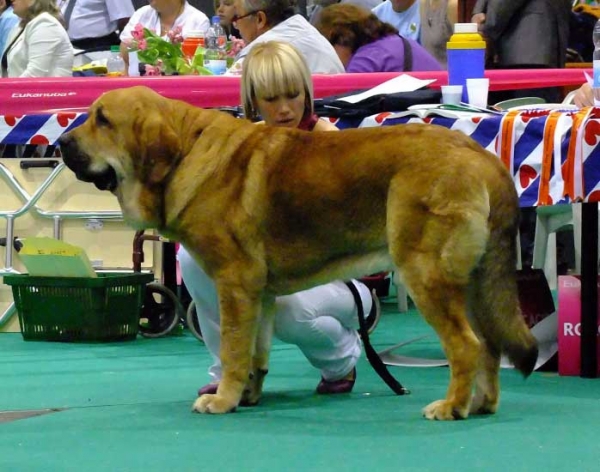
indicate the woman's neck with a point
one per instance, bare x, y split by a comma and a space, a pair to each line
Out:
168, 18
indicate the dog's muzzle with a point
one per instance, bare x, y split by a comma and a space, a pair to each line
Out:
80, 163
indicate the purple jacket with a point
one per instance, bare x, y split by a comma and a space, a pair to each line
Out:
387, 55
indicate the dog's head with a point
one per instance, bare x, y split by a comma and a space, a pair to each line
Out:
128, 145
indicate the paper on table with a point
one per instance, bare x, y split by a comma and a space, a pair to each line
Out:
48, 257
402, 83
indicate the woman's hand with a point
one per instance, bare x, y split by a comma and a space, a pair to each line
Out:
584, 97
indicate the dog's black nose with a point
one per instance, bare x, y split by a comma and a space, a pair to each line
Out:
64, 140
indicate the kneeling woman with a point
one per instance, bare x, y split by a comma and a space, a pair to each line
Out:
322, 321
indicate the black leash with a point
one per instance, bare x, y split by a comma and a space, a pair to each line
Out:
372, 355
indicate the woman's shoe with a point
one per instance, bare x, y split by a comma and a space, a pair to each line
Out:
330, 387
208, 389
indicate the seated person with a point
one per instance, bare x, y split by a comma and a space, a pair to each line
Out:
315, 13
437, 25
39, 46
161, 18
8, 20
93, 25
404, 15
321, 321
225, 9
259, 21
366, 44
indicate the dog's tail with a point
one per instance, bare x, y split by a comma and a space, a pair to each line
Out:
493, 300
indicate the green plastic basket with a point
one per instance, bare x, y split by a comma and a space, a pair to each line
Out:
71, 309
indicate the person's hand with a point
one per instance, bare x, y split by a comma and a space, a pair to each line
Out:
584, 97
478, 18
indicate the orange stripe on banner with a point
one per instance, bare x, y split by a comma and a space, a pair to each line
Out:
569, 165
507, 133
547, 158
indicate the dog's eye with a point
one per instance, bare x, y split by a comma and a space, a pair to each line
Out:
101, 119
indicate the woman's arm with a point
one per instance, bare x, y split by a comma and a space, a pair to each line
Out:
324, 125
43, 40
584, 97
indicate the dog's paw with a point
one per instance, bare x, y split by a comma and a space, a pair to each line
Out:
214, 404
482, 405
445, 411
253, 390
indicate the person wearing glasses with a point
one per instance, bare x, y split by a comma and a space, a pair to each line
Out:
276, 87
259, 21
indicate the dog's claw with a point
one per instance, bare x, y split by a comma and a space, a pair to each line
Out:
213, 404
444, 410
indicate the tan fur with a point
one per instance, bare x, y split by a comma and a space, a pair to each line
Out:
268, 211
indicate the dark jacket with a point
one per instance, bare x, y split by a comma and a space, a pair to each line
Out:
527, 32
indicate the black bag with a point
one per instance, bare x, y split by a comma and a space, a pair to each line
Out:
336, 108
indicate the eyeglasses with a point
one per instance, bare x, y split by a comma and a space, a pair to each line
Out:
237, 18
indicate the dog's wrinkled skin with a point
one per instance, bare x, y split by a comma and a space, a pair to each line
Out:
270, 211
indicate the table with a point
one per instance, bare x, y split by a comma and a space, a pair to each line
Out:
554, 158
50, 95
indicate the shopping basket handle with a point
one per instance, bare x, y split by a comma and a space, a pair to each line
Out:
35, 163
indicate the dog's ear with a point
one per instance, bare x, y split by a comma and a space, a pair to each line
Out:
160, 149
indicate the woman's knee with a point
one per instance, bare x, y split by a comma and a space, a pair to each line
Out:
291, 320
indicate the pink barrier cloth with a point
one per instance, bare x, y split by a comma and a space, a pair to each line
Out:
50, 95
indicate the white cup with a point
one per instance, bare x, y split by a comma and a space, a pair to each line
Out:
452, 94
477, 91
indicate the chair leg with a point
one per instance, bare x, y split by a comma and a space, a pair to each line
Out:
401, 293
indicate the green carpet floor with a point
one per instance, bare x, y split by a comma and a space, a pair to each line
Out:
127, 408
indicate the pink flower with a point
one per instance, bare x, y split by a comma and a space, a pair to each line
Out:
142, 44
152, 70
175, 36
235, 46
138, 32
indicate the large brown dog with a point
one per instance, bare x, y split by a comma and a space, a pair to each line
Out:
269, 211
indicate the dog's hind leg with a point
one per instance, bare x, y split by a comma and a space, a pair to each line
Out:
443, 306
446, 243
262, 350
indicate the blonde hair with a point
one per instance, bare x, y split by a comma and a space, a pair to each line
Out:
274, 68
38, 7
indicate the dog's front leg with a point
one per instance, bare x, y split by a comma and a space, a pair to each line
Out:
239, 320
260, 360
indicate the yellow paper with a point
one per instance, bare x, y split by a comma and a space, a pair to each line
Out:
48, 257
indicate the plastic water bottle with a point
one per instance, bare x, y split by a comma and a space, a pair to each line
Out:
115, 65
215, 57
466, 56
596, 63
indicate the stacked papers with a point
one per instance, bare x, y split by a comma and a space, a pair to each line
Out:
48, 257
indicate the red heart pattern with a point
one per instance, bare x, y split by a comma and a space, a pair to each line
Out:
526, 175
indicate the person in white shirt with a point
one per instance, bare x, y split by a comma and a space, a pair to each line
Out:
162, 16
404, 15
259, 21
39, 46
7, 22
93, 24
